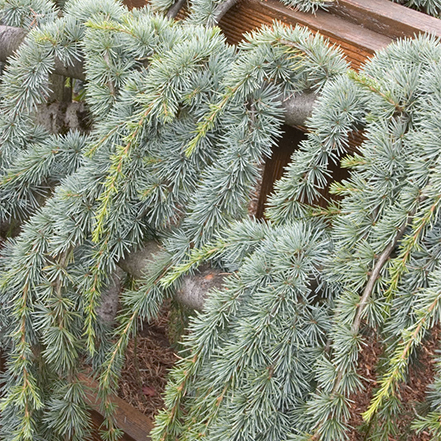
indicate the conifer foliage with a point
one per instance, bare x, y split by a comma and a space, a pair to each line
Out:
181, 125
431, 7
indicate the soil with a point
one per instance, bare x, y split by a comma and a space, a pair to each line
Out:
412, 393
145, 371
143, 386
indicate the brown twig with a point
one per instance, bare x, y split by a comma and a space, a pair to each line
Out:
221, 10
175, 8
382, 259
384, 256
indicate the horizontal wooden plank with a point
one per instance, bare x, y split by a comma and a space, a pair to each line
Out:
97, 420
357, 43
359, 27
387, 18
129, 419
332, 26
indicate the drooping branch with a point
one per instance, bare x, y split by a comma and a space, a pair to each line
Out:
367, 292
363, 302
297, 108
382, 259
11, 39
194, 288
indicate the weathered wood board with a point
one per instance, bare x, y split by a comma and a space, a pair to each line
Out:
135, 424
359, 27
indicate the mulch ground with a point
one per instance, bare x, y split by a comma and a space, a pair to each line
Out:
145, 374
145, 371
412, 393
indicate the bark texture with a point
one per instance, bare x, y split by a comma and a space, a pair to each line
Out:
61, 117
174, 10
222, 9
136, 262
298, 108
10, 40
110, 298
194, 288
